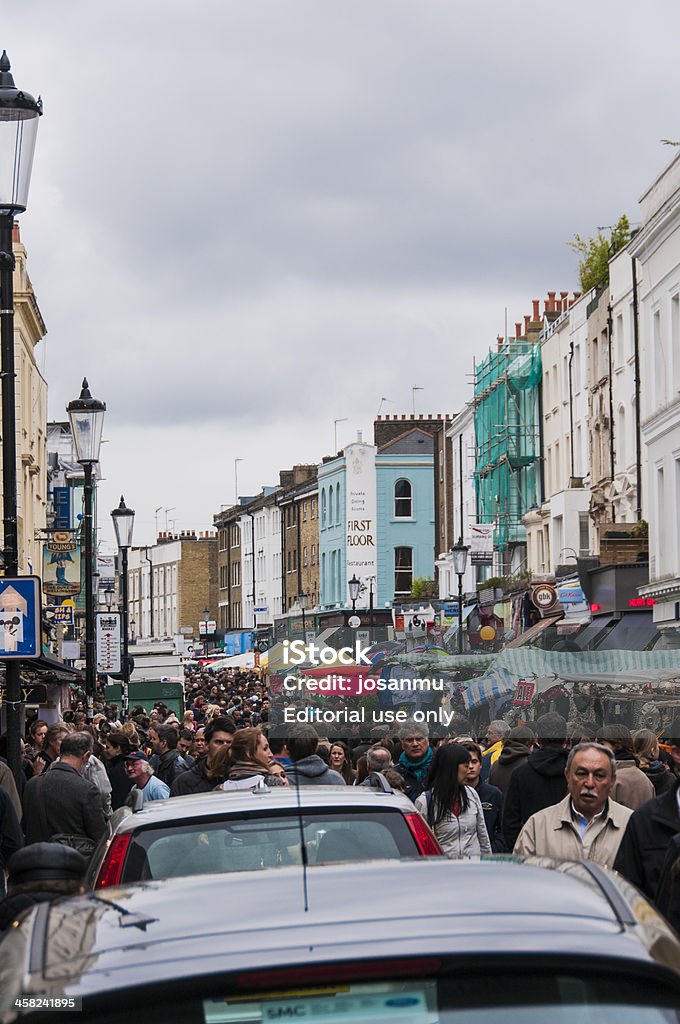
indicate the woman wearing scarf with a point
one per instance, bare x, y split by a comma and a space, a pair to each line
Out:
416, 759
249, 763
453, 810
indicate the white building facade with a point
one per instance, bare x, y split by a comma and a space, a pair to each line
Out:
263, 527
463, 501
657, 250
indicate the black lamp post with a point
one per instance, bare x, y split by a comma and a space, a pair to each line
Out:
354, 590
123, 524
370, 609
460, 554
303, 601
87, 422
206, 620
19, 116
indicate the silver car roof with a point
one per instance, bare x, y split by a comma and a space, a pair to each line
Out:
278, 798
190, 928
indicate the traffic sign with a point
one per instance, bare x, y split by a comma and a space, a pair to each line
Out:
354, 621
108, 642
20, 606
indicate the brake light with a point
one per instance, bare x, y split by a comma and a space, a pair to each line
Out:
425, 840
112, 866
595, 606
323, 974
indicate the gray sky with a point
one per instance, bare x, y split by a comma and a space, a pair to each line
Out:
250, 218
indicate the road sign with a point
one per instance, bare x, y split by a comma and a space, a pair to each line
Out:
207, 628
20, 606
108, 634
261, 609
354, 621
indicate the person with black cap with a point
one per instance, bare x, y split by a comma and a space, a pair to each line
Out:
39, 873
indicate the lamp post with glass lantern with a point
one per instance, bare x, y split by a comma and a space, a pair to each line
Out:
354, 586
108, 598
19, 116
87, 422
460, 554
123, 525
303, 601
206, 621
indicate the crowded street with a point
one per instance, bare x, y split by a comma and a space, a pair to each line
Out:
317, 704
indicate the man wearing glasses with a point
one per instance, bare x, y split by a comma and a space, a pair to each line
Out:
414, 763
61, 801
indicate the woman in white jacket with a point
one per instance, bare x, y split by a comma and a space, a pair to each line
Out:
453, 810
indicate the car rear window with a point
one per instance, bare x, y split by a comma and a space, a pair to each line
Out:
252, 842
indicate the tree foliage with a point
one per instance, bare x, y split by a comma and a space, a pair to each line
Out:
595, 253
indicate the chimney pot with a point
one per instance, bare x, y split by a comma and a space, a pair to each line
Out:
527, 321
537, 305
518, 330
577, 295
563, 296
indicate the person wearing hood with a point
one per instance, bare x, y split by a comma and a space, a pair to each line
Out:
540, 782
646, 747
516, 749
308, 769
416, 760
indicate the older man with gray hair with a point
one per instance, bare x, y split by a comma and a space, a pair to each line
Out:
377, 760
587, 824
496, 733
414, 763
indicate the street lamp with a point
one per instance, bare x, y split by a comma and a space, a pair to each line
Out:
109, 595
19, 116
123, 524
303, 601
371, 580
206, 620
87, 422
354, 590
460, 554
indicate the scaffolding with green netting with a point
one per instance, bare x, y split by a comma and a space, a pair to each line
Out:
507, 414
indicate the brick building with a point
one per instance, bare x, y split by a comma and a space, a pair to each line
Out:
171, 583
300, 513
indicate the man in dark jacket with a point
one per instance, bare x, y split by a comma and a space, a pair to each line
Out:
541, 781
11, 838
41, 873
308, 769
167, 762
61, 800
200, 777
416, 759
517, 746
650, 830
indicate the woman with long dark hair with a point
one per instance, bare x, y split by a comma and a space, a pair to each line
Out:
451, 808
341, 761
248, 762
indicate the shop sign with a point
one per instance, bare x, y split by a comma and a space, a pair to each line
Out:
524, 694
61, 565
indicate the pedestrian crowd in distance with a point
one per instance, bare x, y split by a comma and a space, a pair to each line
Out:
544, 789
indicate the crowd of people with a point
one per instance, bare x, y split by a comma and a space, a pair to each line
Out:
540, 789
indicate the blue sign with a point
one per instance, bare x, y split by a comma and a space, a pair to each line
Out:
61, 500
20, 627
63, 614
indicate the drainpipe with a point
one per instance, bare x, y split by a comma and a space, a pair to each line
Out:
638, 435
460, 476
571, 406
610, 335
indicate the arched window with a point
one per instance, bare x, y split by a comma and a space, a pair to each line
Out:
323, 509
403, 500
337, 504
403, 571
330, 505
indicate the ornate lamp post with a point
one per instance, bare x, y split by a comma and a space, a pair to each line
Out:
303, 601
87, 422
206, 620
460, 554
354, 590
123, 525
19, 116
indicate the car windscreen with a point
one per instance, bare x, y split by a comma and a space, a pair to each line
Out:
563, 999
252, 842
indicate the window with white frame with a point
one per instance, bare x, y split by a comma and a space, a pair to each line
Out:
403, 571
403, 500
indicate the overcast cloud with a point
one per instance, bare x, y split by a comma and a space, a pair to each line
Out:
251, 218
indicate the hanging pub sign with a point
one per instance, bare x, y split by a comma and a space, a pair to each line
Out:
61, 565
481, 544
